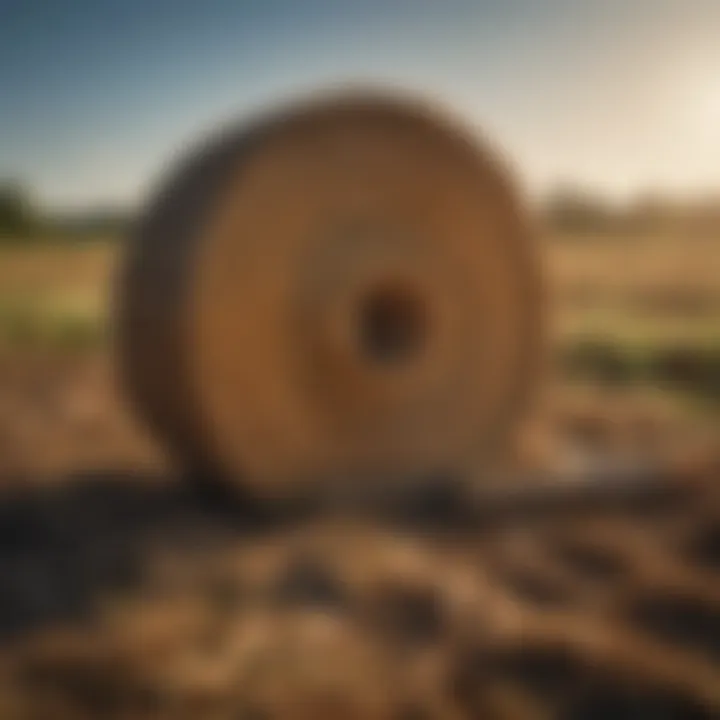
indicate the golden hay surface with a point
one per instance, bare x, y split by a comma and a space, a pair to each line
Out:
347, 289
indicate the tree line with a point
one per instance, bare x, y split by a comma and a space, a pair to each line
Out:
577, 212
568, 210
23, 220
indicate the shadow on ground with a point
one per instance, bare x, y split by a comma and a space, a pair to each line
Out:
62, 546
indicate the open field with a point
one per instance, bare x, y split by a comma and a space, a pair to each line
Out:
639, 310
55, 294
635, 327
126, 595
663, 287
624, 309
634, 324
646, 287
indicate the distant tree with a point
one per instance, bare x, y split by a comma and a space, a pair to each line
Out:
18, 217
574, 210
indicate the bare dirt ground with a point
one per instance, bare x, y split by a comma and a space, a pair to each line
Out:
125, 594
128, 593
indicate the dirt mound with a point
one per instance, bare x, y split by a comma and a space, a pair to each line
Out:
125, 599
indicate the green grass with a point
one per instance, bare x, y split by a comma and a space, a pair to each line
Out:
690, 368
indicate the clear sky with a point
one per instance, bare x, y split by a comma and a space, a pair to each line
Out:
623, 95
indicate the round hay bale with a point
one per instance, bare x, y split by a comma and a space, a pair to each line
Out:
341, 291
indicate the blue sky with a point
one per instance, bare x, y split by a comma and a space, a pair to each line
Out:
623, 95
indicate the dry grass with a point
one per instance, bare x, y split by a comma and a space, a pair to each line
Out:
624, 284
656, 286
124, 595
55, 295
61, 268
169, 607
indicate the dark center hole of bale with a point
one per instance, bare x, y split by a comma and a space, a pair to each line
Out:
393, 324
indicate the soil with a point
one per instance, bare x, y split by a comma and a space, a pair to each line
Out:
127, 592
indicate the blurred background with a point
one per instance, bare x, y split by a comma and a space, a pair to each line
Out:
609, 112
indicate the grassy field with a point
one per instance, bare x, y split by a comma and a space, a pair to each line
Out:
624, 309
55, 295
639, 310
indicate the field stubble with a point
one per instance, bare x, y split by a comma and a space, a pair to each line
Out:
124, 595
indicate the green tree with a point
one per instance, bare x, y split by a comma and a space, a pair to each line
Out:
18, 217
